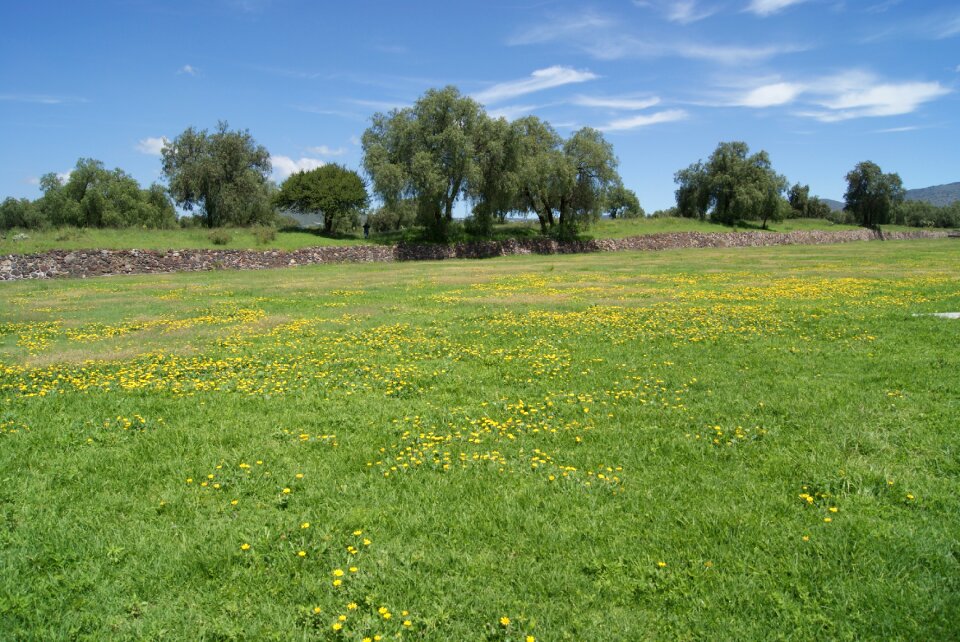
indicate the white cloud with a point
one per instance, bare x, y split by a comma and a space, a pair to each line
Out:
323, 150
190, 70
682, 11
539, 80
859, 95
769, 7
893, 130
612, 102
151, 145
605, 39
852, 94
283, 166
635, 122
731, 54
779, 93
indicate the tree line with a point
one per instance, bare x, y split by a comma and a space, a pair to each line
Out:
424, 159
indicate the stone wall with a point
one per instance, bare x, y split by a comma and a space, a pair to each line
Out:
87, 263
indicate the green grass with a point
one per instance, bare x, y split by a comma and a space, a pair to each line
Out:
460, 416
144, 239
197, 238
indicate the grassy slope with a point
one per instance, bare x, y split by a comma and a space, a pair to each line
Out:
73, 239
435, 407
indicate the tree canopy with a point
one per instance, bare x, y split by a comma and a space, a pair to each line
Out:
333, 191
621, 202
224, 174
426, 152
872, 195
732, 185
93, 196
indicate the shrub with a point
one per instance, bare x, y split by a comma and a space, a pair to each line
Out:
219, 237
264, 234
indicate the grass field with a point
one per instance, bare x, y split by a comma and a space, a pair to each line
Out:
196, 238
711, 444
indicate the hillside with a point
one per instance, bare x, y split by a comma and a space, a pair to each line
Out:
939, 195
936, 194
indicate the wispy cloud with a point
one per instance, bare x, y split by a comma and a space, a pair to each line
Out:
539, 80
284, 166
845, 96
323, 111
323, 150
188, 70
380, 105
151, 146
894, 130
780, 93
614, 102
635, 122
769, 7
606, 39
41, 99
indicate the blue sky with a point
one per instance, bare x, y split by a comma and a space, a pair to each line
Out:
819, 84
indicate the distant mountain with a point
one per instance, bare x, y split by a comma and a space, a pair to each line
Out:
939, 195
836, 206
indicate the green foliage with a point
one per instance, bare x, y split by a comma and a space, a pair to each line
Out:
21, 213
395, 216
872, 195
223, 175
219, 236
445, 148
799, 198
620, 202
565, 183
335, 192
426, 152
924, 214
817, 208
731, 186
93, 196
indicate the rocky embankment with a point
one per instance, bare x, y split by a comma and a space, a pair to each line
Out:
89, 263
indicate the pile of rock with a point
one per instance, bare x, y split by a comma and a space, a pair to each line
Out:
88, 263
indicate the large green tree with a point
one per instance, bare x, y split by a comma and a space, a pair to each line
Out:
731, 185
621, 202
872, 195
565, 183
426, 152
223, 173
496, 150
335, 192
93, 196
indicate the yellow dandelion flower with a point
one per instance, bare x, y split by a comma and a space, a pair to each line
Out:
367, 542
828, 519
342, 618
407, 623
338, 572
234, 502
244, 547
353, 569
805, 538
286, 491
305, 525
505, 621
530, 638
337, 582
661, 564
302, 553
336, 626
299, 475
316, 609
352, 606
358, 533
833, 509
